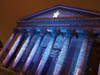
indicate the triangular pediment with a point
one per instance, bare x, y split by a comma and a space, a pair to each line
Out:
58, 13
61, 11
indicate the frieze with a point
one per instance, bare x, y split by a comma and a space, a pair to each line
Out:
89, 22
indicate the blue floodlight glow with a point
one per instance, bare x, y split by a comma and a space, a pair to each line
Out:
12, 50
32, 54
19, 55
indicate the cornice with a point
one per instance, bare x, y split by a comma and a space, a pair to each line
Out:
75, 22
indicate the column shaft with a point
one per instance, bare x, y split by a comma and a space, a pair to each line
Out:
81, 58
53, 64
45, 56
32, 54
19, 55
26, 53
62, 56
36, 61
7, 45
12, 50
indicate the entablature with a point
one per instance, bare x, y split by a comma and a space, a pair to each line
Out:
64, 22
66, 17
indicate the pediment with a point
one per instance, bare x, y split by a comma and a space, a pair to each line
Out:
61, 11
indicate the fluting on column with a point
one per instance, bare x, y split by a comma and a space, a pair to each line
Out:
13, 49
19, 55
61, 57
47, 52
8, 43
34, 50
82, 54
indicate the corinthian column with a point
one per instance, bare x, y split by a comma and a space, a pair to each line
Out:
33, 51
8, 43
12, 50
19, 55
47, 52
82, 54
63, 52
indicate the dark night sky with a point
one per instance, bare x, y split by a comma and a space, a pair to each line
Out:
10, 10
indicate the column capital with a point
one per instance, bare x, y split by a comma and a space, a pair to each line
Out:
32, 32
15, 30
88, 33
23, 31
55, 32
43, 31
70, 32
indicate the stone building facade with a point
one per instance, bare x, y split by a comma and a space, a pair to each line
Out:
59, 40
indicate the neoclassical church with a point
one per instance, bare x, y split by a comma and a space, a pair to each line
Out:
59, 40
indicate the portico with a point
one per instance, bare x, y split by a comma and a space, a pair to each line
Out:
48, 36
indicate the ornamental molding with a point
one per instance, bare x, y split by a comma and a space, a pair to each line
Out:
86, 19
79, 22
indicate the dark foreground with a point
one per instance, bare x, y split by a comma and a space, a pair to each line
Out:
4, 71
